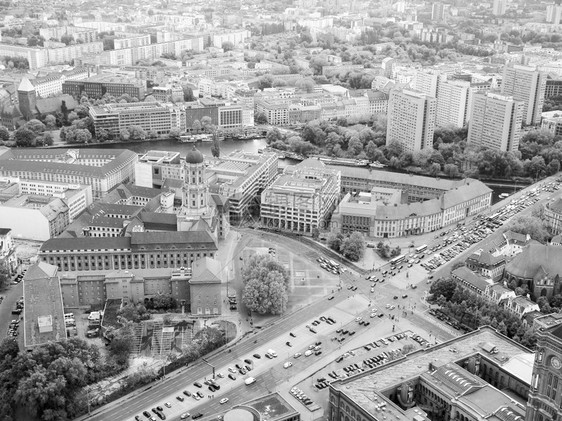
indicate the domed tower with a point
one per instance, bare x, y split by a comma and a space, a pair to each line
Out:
195, 189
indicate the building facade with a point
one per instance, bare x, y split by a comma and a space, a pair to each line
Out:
301, 199
411, 120
453, 103
552, 122
495, 122
525, 84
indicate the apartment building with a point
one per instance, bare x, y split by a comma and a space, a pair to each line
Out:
277, 112
78, 33
552, 122
427, 81
301, 198
241, 177
495, 121
453, 103
234, 37
51, 84
131, 41
411, 120
525, 84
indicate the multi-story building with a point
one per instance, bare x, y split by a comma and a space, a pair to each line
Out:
276, 111
453, 103
378, 102
153, 117
495, 121
149, 169
499, 7
437, 12
35, 217
554, 13
142, 250
36, 57
525, 84
241, 177
364, 213
99, 85
553, 215
552, 122
8, 255
482, 375
301, 199
553, 86
168, 93
428, 81
544, 402
78, 33
234, 37
411, 120
52, 84
102, 169
131, 41
230, 117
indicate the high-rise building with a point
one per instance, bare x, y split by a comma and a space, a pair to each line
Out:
526, 84
554, 14
495, 121
499, 7
545, 391
453, 103
411, 120
437, 12
427, 82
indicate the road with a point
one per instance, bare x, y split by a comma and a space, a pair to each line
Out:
11, 295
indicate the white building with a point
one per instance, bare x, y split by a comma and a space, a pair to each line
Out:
525, 84
453, 103
411, 120
428, 81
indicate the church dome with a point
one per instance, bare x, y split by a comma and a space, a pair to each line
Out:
194, 156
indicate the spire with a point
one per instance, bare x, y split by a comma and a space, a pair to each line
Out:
25, 85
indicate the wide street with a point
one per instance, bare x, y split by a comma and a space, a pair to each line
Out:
347, 304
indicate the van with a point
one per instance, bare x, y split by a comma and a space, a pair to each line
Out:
250, 380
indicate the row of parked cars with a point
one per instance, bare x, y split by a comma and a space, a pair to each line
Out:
301, 396
13, 328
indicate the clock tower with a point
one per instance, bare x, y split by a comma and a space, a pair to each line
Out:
545, 393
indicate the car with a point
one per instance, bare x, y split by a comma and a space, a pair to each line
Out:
197, 416
358, 319
146, 414
288, 343
242, 371
187, 393
197, 384
220, 375
405, 296
287, 364
248, 361
168, 405
232, 377
292, 335
161, 415
159, 408
200, 394
184, 416
137, 418
238, 366
180, 398
196, 396
395, 297
268, 355
308, 353
232, 370
331, 297
297, 355
257, 356
223, 401
317, 352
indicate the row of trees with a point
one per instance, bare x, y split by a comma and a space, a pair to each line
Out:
352, 246
474, 311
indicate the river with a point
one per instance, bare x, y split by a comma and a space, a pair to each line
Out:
228, 146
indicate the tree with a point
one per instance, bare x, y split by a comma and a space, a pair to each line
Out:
260, 118
50, 122
24, 137
72, 116
174, 133
334, 241
137, 132
35, 126
532, 226
196, 126
353, 247
265, 285
187, 94
4, 134
121, 345
443, 287
206, 122
216, 147
264, 82
227, 46
124, 135
134, 312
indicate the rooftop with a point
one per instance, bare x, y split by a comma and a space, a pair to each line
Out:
272, 407
535, 257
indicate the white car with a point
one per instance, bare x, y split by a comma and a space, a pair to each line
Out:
232, 370
358, 319
298, 354
223, 401
287, 364
372, 289
168, 405
308, 353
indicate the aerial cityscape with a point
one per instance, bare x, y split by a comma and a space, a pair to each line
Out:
297, 210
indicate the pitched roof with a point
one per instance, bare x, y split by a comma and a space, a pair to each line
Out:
172, 238
205, 270
471, 278
86, 243
40, 270
25, 85
533, 257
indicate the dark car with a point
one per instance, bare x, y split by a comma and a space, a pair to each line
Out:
248, 361
159, 408
257, 356
146, 414
292, 335
187, 393
137, 418
179, 398
197, 384
288, 343
200, 394
197, 416
161, 415
232, 377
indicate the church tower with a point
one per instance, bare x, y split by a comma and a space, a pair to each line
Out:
27, 98
195, 189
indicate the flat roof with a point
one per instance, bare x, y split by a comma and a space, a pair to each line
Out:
271, 407
359, 388
43, 311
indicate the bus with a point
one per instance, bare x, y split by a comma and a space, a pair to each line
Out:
421, 248
397, 260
